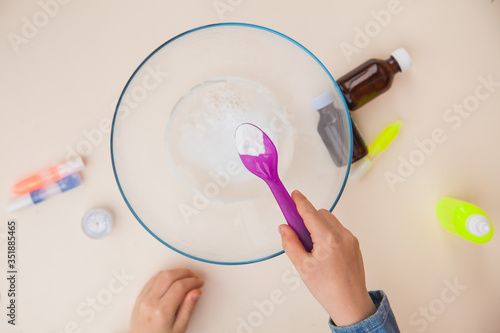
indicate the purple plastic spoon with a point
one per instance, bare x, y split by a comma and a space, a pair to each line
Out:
260, 157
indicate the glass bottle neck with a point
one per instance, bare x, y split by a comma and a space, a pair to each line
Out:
393, 64
328, 114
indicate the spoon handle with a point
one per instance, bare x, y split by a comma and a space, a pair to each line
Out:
292, 216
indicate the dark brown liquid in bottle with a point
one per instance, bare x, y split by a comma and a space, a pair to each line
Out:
359, 149
367, 81
360, 86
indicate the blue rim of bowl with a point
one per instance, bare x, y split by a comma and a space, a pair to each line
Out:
248, 25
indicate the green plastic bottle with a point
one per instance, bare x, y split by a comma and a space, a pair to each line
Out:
464, 219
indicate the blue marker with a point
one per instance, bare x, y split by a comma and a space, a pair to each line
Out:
46, 192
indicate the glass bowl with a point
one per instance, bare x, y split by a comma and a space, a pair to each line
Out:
172, 140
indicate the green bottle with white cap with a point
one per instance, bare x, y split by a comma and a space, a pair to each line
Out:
464, 219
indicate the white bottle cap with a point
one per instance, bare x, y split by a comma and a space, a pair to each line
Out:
97, 223
359, 168
403, 59
70, 167
19, 203
478, 225
322, 100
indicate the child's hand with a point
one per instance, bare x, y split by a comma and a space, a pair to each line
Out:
166, 302
333, 271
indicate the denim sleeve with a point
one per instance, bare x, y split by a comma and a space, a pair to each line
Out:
383, 321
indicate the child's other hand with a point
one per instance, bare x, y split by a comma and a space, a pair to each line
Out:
333, 271
166, 302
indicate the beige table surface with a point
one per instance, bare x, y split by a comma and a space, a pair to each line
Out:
64, 78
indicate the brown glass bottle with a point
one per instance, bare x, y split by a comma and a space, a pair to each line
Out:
359, 149
367, 81
330, 128
372, 78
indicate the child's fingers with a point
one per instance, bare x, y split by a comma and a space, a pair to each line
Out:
175, 295
166, 278
292, 245
186, 310
147, 287
313, 221
330, 218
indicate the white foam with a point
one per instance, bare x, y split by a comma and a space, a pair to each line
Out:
200, 136
207, 118
250, 140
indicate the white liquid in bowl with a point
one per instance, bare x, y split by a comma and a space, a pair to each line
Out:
199, 137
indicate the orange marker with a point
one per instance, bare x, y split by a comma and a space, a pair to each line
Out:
51, 175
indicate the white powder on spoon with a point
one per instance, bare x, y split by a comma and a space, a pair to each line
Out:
250, 140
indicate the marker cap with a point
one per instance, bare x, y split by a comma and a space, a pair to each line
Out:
359, 168
19, 203
70, 167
